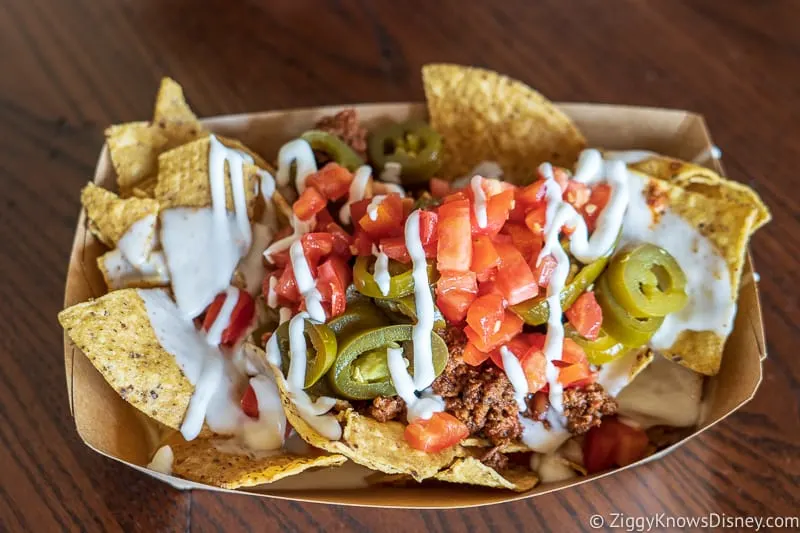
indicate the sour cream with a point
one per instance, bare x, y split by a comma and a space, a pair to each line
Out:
382, 277
358, 191
299, 153
422, 407
516, 376
305, 282
422, 330
137, 242
372, 208
479, 205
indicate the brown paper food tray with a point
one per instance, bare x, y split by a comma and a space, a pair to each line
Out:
107, 424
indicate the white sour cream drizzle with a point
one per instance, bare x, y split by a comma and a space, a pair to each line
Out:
121, 273
391, 172
358, 191
223, 319
137, 242
516, 376
272, 296
266, 432
203, 246
423, 356
300, 228
711, 305
305, 282
479, 206
422, 407
162, 460
300, 153
487, 169
382, 277
314, 413
372, 208
630, 157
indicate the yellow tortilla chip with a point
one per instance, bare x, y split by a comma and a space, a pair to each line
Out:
705, 181
114, 332
200, 460
145, 189
183, 178
173, 114
484, 116
511, 447
377, 445
134, 149
727, 224
111, 216
119, 273
470, 471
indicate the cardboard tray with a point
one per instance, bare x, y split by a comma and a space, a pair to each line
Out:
110, 426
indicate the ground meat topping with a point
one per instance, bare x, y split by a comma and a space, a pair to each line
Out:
385, 408
346, 126
584, 407
494, 459
480, 396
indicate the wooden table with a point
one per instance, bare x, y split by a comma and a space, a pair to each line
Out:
71, 67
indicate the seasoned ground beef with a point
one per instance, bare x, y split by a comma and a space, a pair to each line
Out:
480, 396
346, 126
385, 408
584, 407
494, 459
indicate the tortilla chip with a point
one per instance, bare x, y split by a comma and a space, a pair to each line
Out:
470, 471
728, 225
111, 216
705, 181
114, 332
183, 178
134, 149
145, 189
510, 447
200, 460
377, 445
484, 116
173, 114
119, 273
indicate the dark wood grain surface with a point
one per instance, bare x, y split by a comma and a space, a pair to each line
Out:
68, 68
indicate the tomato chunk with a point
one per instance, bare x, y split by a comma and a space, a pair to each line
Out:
527, 242
577, 194
534, 365
509, 328
473, 356
316, 246
309, 204
486, 314
601, 193
395, 248
613, 443
532, 195
586, 316
332, 181
439, 432
536, 219
498, 208
544, 270
333, 278
485, 258
286, 288
514, 277
575, 370
428, 227
455, 292
240, 319
454, 249
250, 402
388, 218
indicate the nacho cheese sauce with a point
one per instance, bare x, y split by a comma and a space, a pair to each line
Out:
162, 460
358, 191
710, 305
300, 153
422, 330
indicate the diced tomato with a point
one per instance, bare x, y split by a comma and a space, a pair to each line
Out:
573, 353
323, 219
498, 208
489, 287
332, 181
388, 218
517, 345
455, 292
613, 443
341, 239
440, 431
316, 246
601, 193
528, 243
586, 316
531, 195
333, 278
514, 277
362, 243
509, 328
439, 187
454, 249
286, 287
280, 259
358, 210
457, 196
240, 319
544, 270
486, 315
428, 227
534, 365
577, 194
574, 365
473, 356
561, 177
250, 402
485, 258
536, 219
309, 204
395, 248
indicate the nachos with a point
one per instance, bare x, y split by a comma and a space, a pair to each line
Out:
477, 299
